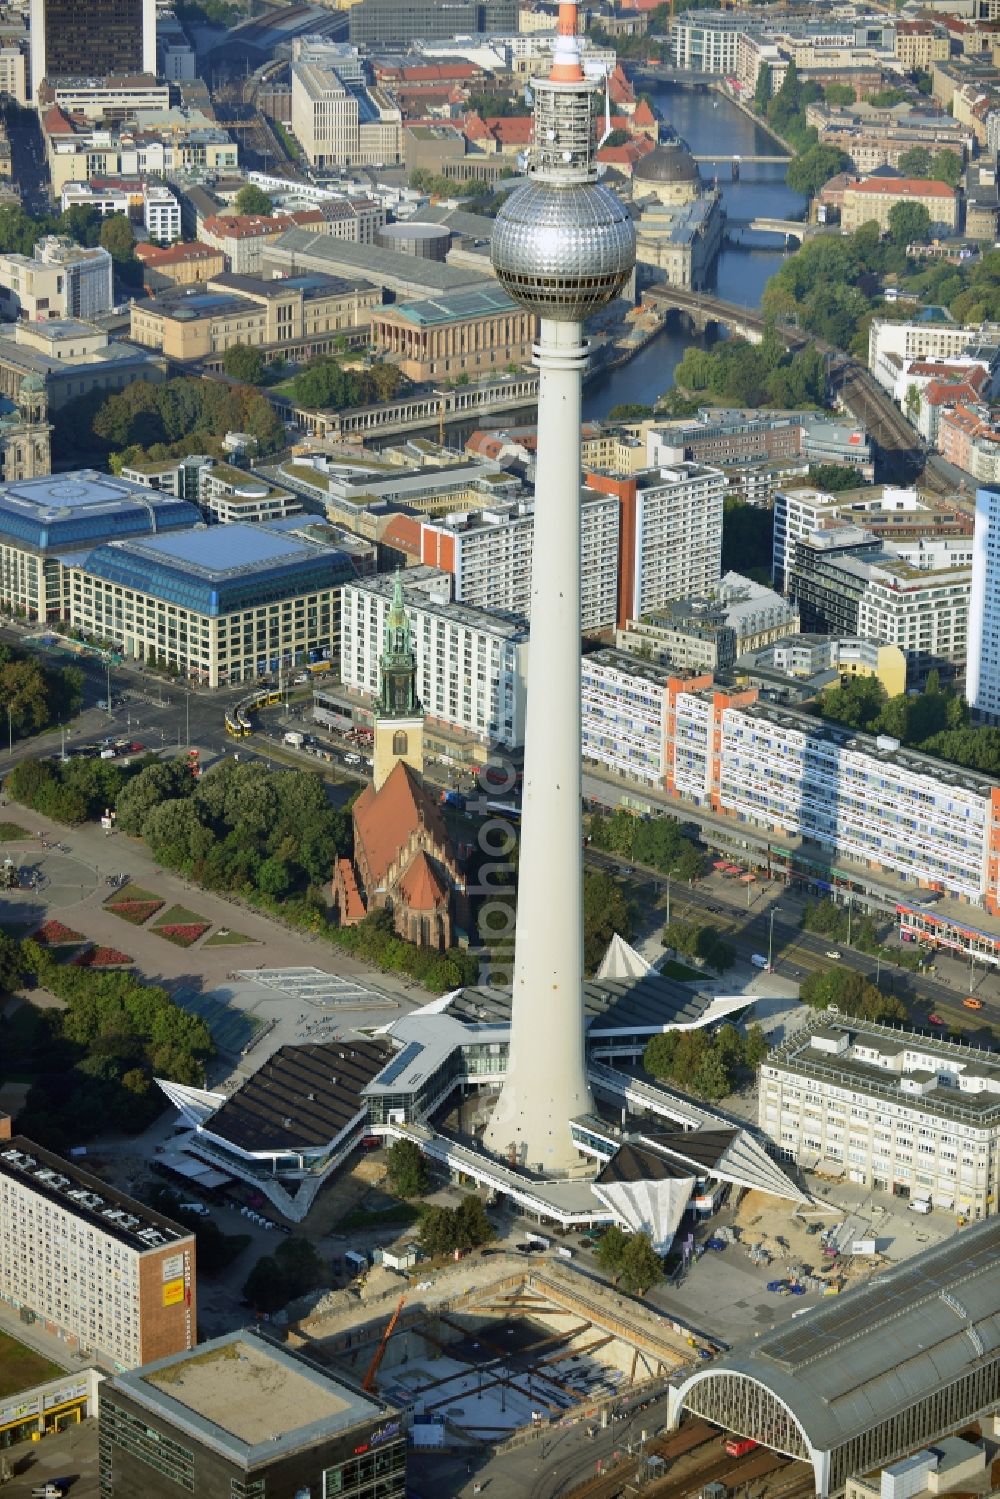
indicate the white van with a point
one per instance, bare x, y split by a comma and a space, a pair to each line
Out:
758, 960
919, 1205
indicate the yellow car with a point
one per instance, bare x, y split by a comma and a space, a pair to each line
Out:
972, 1004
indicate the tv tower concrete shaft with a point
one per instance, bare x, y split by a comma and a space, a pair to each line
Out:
563, 246
546, 1082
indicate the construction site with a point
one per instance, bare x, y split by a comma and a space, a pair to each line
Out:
523, 1345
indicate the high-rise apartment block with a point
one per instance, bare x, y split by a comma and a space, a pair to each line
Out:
982, 678
115, 1279
60, 280
645, 539
97, 38
242, 1418
471, 666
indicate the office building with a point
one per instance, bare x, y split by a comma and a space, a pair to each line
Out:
225, 494
916, 596
708, 632
105, 37
161, 213
873, 199
115, 1280
222, 605
735, 439
625, 703
60, 280
244, 1416
340, 123
182, 140
982, 680
49, 524
471, 334
375, 22
472, 665
798, 667
890, 1110
890, 514
706, 41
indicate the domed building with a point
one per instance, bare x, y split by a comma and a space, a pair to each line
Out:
670, 173
680, 220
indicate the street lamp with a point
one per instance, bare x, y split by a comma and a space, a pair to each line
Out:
669, 873
850, 913
770, 933
10, 732
187, 717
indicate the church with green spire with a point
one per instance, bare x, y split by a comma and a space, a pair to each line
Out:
399, 717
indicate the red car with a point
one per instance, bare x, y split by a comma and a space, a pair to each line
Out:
935, 1020
136, 748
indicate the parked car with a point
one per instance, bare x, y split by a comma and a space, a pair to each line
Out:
796, 1290
777, 1286
935, 1020
715, 1243
972, 1003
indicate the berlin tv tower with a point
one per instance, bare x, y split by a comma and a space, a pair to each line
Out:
563, 246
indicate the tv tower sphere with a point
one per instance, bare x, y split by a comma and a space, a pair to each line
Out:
563, 246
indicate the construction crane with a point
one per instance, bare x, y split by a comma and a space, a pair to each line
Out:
368, 1383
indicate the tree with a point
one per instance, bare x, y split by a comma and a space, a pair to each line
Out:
814, 167
838, 93
834, 476
242, 362
252, 199
946, 166
265, 1287
762, 88
640, 1264
301, 1268
118, 238
605, 913
407, 1169
909, 223
916, 162
610, 1251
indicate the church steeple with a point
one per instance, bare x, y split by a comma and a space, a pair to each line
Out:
399, 717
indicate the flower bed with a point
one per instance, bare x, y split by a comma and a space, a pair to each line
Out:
182, 933
103, 957
54, 934
137, 912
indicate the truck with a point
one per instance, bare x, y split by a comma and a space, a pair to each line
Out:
453, 799
54, 1488
295, 739
538, 1240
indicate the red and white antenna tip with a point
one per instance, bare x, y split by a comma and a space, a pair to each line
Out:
566, 66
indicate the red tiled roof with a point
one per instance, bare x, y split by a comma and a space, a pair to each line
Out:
354, 906
403, 534
384, 820
643, 114
903, 187
256, 226
157, 255
421, 886
56, 123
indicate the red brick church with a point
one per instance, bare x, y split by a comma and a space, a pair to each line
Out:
403, 859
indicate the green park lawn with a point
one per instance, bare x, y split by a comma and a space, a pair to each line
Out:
222, 938
12, 832
179, 916
673, 970
22, 1368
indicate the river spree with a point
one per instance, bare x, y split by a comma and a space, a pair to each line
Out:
710, 124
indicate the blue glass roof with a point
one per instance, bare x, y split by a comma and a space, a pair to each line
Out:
218, 569
65, 512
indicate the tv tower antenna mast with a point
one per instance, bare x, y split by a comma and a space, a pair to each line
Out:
563, 246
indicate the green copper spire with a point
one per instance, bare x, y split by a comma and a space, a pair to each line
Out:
398, 698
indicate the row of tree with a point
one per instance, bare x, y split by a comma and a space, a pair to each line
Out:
851, 993
657, 842
711, 1064
294, 1269
71, 791
375, 941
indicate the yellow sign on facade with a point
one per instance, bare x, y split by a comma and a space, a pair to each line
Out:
173, 1292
